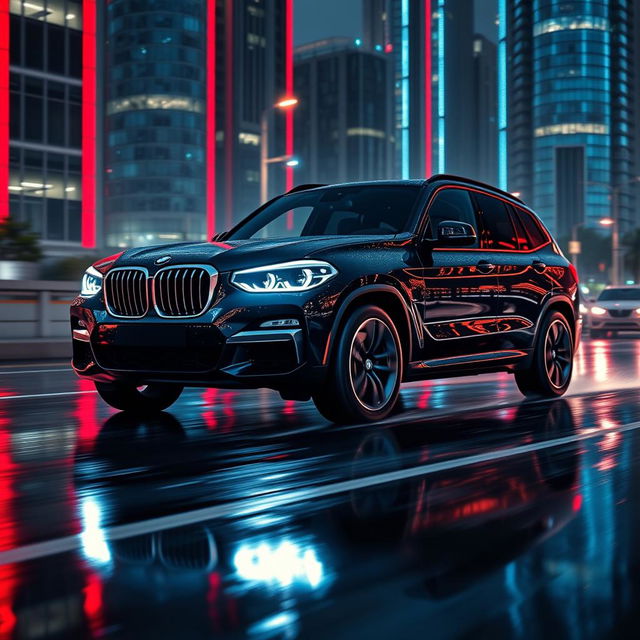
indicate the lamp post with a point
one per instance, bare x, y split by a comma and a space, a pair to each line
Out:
614, 223
265, 161
574, 250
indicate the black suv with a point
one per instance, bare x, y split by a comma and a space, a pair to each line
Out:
337, 293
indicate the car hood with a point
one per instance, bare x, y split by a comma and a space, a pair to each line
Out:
618, 304
243, 254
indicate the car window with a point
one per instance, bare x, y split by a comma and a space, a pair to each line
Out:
340, 211
621, 295
532, 228
497, 229
451, 204
522, 237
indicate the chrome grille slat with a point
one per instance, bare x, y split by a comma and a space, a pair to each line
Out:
126, 292
183, 291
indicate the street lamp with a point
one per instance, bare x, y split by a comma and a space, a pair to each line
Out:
614, 223
284, 104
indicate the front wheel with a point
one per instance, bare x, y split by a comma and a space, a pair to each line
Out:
550, 372
150, 398
366, 369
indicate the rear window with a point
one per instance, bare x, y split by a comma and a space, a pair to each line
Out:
624, 295
497, 229
534, 233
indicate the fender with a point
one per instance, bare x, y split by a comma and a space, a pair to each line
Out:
375, 288
551, 300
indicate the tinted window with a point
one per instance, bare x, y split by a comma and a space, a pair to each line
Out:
451, 204
535, 234
524, 242
353, 210
497, 230
620, 294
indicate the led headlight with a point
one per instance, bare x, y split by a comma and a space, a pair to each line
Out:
91, 282
598, 311
299, 275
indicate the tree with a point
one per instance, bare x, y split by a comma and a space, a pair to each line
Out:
17, 242
631, 253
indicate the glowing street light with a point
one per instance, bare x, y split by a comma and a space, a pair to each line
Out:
607, 222
286, 103
293, 162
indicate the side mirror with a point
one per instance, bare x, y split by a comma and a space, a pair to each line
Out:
452, 233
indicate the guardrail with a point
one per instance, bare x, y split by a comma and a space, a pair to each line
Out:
32, 309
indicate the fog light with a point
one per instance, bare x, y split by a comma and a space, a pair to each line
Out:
284, 322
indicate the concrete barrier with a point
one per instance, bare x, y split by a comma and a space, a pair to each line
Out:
34, 319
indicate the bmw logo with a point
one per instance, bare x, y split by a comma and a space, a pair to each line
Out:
163, 260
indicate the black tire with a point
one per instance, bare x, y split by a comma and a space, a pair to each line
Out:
150, 398
366, 369
552, 363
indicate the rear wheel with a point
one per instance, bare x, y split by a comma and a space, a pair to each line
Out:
366, 369
149, 398
550, 372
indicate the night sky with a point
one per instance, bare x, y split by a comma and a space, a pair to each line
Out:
316, 19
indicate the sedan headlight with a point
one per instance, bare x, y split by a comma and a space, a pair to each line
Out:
300, 275
598, 311
91, 282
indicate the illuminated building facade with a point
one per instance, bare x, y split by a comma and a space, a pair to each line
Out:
566, 107
47, 120
186, 85
344, 120
431, 45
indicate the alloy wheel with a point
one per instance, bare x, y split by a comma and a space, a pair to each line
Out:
373, 364
557, 354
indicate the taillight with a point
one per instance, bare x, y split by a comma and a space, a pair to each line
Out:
574, 272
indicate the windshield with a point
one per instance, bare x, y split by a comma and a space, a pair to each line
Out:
337, 211
620, 294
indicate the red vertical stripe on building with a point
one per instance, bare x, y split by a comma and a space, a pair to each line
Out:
4, 109
428, 93
288, 87
211, 118
89, 123
228, 116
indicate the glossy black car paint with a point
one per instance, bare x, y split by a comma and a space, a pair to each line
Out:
454, 315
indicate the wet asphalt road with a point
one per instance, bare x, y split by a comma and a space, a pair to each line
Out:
235, 514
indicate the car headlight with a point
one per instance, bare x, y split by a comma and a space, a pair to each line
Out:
300, 275
583, 309
598, 311
91, 282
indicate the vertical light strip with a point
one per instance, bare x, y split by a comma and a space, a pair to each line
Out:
428, 94
288, 87
229, 138
211, 119
404, 88
441, 86
4, 109
502, 95
89, 124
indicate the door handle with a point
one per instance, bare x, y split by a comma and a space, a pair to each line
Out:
539, 266
485, 267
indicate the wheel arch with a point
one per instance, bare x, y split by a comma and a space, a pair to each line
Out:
388, 298
564, 305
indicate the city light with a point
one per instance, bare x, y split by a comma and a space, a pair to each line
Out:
606, 222
294, 162
287, 103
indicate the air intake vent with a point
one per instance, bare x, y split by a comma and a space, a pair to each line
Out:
125, 292
184, 291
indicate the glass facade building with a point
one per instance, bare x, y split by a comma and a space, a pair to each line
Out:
568, 89
41, 129
155, 121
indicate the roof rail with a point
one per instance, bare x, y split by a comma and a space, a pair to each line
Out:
304, 187
477, 183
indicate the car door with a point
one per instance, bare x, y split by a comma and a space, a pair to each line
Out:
517, 267
460, 287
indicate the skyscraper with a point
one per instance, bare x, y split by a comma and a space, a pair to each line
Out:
344, 121
567, 107
186, 85
47, 120
430, 42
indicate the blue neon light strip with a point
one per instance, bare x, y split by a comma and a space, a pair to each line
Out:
502, 95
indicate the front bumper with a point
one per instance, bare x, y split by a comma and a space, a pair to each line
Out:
227, 346
610, 323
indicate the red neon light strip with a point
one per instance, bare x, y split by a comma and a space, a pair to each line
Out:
228, 117
428, 123
211, 119
288, 89
4, 109
88, 235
